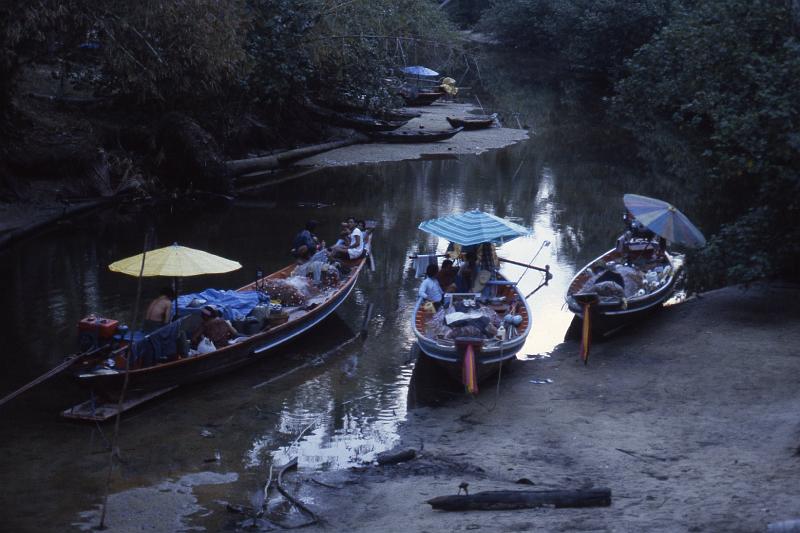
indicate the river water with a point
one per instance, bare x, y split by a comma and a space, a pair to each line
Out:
191, 451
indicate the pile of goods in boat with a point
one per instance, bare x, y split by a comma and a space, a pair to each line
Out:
322, 274
614, 280
472, 317
291, 292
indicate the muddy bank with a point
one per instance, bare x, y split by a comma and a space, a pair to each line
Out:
176, 154
691, 420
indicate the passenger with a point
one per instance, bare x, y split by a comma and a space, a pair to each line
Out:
430, 291
216, 329
355, 248
447, 276
466, 274
306, 243
160, 310
366, 233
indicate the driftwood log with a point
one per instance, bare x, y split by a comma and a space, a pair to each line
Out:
523, 499
244, 166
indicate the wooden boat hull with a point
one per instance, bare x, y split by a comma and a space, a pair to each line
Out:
421, 98
200, 367
471, 123
492, 355
414, 136
614, 314
357, 121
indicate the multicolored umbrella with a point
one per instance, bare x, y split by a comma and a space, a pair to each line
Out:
664, 219
474, 227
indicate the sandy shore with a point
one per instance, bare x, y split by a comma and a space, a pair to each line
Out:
690, 419
433, 117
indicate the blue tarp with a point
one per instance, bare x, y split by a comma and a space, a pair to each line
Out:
233, 304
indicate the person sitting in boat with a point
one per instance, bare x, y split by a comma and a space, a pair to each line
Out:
306, 243
215, 328
467, 272
355, 248
430, 290
366, 233
447, 276
159, 311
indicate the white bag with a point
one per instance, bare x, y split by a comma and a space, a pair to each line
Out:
205, 345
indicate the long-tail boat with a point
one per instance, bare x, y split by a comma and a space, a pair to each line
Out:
624, 284
105, 374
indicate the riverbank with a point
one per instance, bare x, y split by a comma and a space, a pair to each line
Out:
21, 218
690, 419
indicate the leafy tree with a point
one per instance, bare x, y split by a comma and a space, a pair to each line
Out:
590, 35
714, 96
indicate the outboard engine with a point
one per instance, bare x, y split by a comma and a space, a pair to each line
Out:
94, 332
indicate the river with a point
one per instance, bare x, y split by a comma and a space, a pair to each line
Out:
189, 452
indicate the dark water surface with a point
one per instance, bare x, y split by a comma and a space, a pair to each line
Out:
347, 402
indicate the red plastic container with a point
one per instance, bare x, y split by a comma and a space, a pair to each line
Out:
104, 328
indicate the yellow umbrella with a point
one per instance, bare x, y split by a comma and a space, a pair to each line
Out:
176, 262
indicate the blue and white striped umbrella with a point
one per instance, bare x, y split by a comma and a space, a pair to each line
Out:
474, 227
664, 219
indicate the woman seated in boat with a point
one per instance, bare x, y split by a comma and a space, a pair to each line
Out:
306, 243
447, 276
215, 328
466, 274
430, 291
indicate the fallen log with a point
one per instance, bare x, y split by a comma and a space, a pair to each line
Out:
390, 458
244, 166
523, 499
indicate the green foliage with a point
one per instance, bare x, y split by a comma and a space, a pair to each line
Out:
719, 83
593, 35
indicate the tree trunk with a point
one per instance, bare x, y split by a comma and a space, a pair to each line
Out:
254, 164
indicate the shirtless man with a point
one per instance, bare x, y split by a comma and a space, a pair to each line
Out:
159, 311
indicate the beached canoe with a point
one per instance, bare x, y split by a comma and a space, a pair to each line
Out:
471, 122
421, 98
107, 379
355, 120
413, 135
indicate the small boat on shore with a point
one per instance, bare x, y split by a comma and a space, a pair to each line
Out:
472, 122
421, 98
106, 375
414, 136
623, 286
638, 275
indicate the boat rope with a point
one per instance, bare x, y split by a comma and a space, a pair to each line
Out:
114, 452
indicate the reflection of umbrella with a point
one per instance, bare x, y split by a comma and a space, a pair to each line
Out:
474, 227
176, 262
419, 70
664, 219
